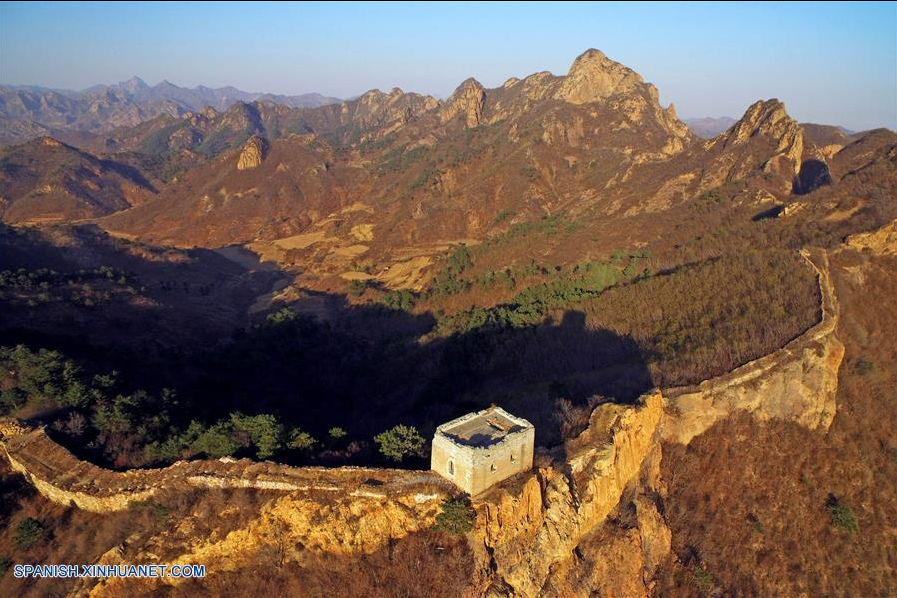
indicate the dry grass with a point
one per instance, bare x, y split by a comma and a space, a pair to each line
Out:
350, 251
407, 274
302, 241
421, 564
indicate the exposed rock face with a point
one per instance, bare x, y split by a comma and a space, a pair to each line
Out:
813, 175
880, 242
769, 120
49, 141
594, 77
527, 533
375, 108
796, 383
252, 154
467, 100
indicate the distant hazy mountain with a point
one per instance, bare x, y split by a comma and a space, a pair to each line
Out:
28, 111
708, 127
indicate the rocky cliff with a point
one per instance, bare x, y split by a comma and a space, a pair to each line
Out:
594, 77
882, 241
526, 532
768, 139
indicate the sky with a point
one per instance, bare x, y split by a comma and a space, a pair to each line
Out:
830, 62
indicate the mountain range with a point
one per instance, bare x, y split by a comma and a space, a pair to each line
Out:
27, 111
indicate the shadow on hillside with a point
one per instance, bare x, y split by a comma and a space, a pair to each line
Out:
362, 367
813, 174
171, 301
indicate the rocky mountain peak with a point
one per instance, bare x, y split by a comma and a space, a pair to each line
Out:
767, 121
135, 83
371, 96
765, 117
594, 77
468, 99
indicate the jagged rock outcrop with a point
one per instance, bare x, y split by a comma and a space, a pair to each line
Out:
527, 532
766, 139
594, 77
375, 108
796, 383
467, 100
769, 120
253, 153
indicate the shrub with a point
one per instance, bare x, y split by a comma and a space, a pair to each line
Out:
159, 513
263, 431
842, 516
281, 316
300, 440
399, 442
457, 516
864, 367
403, 300
215, 442
336, 433
11, 399
705, 579
28, 533
357, 288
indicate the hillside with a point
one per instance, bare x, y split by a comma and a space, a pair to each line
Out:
47, 180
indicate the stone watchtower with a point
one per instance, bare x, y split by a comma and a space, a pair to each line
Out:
480, 449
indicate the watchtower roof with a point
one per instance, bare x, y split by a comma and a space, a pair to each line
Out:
483, 428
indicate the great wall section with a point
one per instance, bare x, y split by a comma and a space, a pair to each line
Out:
528, 527
798, 382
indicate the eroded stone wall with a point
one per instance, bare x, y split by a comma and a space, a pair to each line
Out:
797, 382
64, 479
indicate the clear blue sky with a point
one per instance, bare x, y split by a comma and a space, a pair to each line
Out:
829, 62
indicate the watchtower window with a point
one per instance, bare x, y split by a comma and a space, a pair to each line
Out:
513, 458
451, 468
492, 467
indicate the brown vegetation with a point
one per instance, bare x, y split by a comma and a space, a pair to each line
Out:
749, 503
